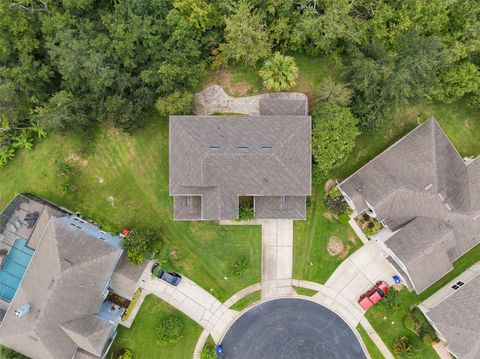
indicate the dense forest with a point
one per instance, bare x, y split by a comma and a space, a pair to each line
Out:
66, 65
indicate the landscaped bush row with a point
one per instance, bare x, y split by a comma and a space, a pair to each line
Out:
132, 305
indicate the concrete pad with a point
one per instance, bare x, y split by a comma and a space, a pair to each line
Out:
358, 285
284, 263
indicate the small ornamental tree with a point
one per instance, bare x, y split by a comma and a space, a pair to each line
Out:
333, 138
170, 330
279, 72
330, 91
246, 212
402, 345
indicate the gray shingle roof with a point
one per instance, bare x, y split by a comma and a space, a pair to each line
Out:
422, 175
457, 318
125, 278
89, 333
223, 157
63, 283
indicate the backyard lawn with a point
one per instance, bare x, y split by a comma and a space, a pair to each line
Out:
121, 181
141, 337
311, 260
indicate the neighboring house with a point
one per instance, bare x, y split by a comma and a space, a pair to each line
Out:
428, 200
54, 281
214, 160
456, 317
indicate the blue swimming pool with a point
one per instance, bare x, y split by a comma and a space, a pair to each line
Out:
13, 268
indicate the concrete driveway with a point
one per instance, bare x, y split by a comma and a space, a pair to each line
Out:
193, 300
290, 328
277, 257
354, 276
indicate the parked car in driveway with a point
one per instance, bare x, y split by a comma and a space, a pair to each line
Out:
169, 277
374, 295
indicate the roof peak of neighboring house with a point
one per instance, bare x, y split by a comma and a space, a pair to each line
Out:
64, 282
422, 175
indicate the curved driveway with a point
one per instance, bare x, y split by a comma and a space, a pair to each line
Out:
291, 328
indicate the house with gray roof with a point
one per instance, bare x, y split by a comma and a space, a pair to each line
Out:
55, 278
214, 160
427, 198
456, 317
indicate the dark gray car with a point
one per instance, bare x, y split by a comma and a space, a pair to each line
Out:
169, 277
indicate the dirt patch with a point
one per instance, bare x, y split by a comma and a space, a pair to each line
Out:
398, 287
242, 88
328, 215
335, 246
75, 159
329, 185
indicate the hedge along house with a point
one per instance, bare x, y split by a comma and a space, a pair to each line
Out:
214, 160
54, 281
427, 198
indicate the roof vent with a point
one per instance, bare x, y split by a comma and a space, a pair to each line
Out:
428, 186
67, 263
266, 148
441, 197
448, 207
214, 147
243, 147
22, 310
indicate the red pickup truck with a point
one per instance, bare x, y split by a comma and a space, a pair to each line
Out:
374, 295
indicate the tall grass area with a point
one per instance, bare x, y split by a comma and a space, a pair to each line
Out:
121, 181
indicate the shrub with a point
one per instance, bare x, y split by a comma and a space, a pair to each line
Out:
427, 340
126, 354
141, 243
336, 205
344, 218
246, 212
410, 323
402, 345
208, 352
391, 300
170, 330
240, 267
373, 228
334, 92
132, 305
279, 72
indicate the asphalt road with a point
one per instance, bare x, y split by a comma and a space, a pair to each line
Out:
290, 328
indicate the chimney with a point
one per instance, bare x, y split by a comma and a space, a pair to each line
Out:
23, 309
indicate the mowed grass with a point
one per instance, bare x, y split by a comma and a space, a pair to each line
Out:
121, 181
311, 260
372, 348
141, 337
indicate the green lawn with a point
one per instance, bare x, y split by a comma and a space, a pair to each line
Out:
140, 338
246, 301
372, 348
305, 291
311, 260
134, 170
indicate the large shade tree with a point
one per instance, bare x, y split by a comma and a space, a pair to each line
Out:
333, 138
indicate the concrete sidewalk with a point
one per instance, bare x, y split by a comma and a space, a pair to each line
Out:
193, 300
277, 258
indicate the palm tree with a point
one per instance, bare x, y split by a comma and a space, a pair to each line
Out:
23, 141
40, 132
279, 72
6, 154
